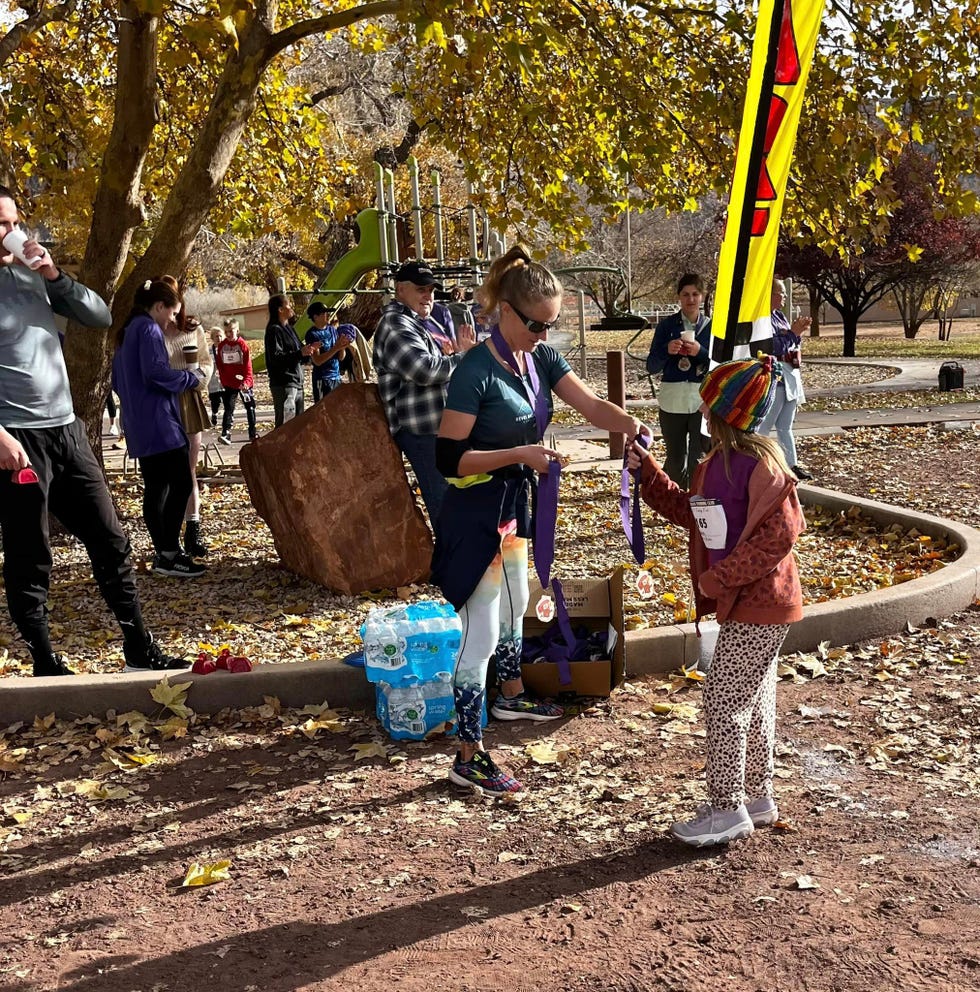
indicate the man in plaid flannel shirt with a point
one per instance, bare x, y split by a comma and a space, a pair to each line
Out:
413, 372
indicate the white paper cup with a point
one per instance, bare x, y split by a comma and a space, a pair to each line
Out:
687, 336
14, 242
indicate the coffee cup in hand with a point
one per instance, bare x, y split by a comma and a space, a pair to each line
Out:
14, 242
190, 356
687, 336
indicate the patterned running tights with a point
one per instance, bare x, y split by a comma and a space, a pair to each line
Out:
740, 712
493, 623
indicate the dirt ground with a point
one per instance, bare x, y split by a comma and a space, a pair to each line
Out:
355, 865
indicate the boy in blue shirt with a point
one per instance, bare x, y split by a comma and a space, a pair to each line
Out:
333, 343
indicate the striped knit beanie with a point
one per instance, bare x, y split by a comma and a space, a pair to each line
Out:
741, 393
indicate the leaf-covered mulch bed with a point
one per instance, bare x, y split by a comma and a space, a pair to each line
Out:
250, 602
912, 399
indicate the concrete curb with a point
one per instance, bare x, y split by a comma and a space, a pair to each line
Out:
293, 685
843, 621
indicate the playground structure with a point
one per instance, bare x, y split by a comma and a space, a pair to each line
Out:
380, 231
377, 250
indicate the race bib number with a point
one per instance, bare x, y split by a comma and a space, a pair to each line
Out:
712, 523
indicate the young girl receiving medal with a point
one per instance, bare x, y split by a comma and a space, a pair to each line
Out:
744, 517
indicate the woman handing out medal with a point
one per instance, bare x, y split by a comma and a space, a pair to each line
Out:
489, 448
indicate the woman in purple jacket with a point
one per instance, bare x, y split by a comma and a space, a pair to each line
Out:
148, 388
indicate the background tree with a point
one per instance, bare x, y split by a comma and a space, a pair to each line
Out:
940, 248
923, 248
662, 245
534, 97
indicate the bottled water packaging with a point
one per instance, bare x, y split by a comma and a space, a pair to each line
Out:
410, 644
409, 712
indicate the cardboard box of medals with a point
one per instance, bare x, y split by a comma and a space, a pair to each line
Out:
595, 611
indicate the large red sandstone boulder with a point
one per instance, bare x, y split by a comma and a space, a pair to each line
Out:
332, 488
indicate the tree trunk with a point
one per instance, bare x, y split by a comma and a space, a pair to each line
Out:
117, 210
815, 300
850, 321
196, 188
191, 198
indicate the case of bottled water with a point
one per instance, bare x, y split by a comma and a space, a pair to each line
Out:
409, 712
411, 643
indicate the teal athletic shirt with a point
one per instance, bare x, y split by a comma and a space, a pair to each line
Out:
482, 387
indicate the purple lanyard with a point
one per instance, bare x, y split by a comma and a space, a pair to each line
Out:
632, 527
536, 395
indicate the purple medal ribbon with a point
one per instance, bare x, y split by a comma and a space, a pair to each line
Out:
632, 527
545, 521
546, 514
535, 394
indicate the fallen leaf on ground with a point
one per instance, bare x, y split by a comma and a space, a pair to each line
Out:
373, 750
546, 753
172, 696
206, 874
804, 882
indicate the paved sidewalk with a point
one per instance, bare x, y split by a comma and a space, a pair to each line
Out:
588, 446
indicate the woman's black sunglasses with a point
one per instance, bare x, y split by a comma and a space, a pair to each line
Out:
536, 326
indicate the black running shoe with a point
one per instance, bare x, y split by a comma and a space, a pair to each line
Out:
152, 659
179, 567
55, 665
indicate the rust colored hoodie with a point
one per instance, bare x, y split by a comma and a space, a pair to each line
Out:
758, 581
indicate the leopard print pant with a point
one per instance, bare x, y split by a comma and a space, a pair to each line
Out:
740, 712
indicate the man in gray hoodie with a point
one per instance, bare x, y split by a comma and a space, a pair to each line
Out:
46, 462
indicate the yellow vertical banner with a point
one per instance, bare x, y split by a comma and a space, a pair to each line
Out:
785, 38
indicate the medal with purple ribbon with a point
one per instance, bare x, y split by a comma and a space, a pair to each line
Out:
632, 521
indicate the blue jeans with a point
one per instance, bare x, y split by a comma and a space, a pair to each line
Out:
287, 402
323, 386
420, 450
781, 416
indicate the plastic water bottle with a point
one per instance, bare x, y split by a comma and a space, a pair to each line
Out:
384, 652
410, 712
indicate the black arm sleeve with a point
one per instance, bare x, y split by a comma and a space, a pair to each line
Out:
448, 455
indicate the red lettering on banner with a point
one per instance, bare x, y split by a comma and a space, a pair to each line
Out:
777, 111
788, 72
788, 68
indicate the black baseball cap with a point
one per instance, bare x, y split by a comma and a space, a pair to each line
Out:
418, 273
316, 308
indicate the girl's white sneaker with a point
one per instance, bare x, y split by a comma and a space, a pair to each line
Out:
763, 812
713, 826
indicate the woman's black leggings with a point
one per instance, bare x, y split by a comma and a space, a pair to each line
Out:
166, 486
